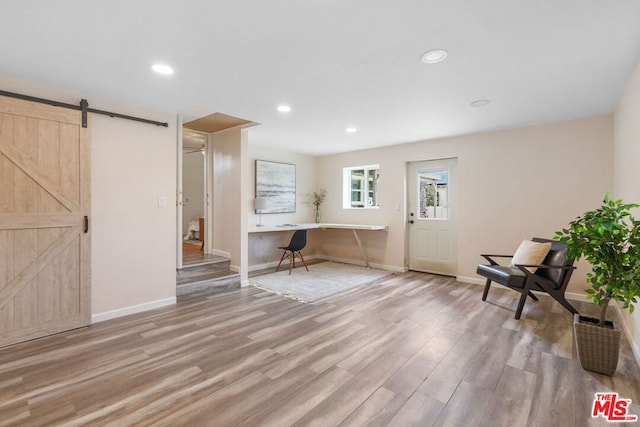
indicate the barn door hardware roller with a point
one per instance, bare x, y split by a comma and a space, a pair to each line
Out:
83, 107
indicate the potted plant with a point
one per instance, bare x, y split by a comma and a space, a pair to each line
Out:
609, 239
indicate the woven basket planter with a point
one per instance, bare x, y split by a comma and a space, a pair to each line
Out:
597, 347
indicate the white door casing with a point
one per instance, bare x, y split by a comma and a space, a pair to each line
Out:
432, 196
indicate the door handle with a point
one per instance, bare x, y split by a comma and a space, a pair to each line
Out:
86, 224
410, 221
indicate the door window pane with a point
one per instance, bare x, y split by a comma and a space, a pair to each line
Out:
433, 194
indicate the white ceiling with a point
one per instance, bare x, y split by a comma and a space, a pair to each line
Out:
338, 63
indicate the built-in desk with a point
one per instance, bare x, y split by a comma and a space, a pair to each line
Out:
353, 227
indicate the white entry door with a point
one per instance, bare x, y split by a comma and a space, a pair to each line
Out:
432, 216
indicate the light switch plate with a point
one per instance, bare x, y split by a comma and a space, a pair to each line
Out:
162, 202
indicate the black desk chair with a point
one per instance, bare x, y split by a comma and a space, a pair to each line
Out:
552, 276
297, 243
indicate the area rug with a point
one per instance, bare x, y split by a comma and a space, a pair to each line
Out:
322, 280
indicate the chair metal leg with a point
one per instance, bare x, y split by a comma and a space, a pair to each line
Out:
486, 290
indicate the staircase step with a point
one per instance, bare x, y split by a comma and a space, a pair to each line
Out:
204, 276
202, 269
208, 286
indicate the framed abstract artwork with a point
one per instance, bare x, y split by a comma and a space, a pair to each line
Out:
276, 183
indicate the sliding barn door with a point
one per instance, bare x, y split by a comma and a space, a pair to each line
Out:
44, 197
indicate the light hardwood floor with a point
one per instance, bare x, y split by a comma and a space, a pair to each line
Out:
411, 349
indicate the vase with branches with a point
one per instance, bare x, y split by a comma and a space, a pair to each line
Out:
316, 199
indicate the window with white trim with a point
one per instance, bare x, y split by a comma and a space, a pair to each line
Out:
360, 187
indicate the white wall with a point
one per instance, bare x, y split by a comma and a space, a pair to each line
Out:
132, 239
627, 171
512, 185
227, 152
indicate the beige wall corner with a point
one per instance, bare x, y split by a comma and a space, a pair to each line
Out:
244, 199
627, 174
226, 149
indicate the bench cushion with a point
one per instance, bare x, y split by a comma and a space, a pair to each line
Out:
508, 276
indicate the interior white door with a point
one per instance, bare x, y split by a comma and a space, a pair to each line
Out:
432, 216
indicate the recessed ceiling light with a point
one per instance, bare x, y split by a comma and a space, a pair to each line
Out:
284, 108
351, 130
434, 55
480, 103
163, 69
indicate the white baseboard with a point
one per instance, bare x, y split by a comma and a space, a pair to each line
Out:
336, 259
569, 295
472, 280
635, 346
577, 297
218, 252
274, 264
107, 315
393, 268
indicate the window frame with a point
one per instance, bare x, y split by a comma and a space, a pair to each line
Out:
364, 190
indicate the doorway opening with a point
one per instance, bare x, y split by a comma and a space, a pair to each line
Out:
207, 203
194, 195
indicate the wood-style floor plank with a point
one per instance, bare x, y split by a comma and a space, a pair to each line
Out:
411, 349
408, 378
377, 410
511, 402
419, 411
